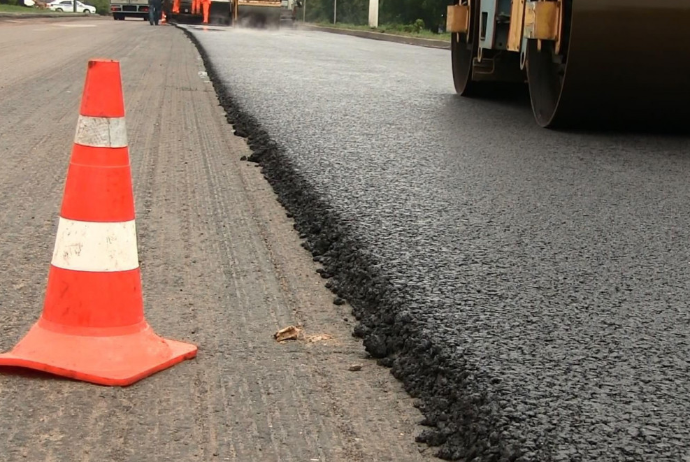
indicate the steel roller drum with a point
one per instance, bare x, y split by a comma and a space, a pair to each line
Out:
627, 62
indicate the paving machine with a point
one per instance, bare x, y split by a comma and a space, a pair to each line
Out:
584, 61
248, 13
183, 12
258, 13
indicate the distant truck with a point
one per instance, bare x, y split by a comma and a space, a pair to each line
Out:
121, 9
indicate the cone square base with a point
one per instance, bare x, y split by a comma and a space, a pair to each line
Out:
118, 360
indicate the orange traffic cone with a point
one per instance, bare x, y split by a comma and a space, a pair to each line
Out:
93, 327
163, 17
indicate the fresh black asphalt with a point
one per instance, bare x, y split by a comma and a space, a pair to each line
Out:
530, 287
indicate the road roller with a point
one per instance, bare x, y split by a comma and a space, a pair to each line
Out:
585, 62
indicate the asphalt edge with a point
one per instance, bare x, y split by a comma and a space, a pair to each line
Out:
463, 420
404, 39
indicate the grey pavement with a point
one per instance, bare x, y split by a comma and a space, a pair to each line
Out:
221, 267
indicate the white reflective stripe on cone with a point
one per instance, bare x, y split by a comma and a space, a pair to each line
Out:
101, 132
96, 247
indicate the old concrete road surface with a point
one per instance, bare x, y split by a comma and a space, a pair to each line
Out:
222, 267
530, 286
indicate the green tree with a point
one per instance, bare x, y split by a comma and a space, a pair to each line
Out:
102, 6
409, 15
408, 11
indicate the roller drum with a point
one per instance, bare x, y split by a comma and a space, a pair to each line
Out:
463, 48
622, 62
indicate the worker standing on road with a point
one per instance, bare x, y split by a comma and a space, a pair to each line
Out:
206, 5
155, 7
196, 6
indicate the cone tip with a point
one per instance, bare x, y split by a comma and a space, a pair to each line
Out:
97, 61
